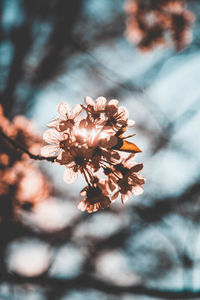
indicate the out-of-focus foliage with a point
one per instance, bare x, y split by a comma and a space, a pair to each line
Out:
19, 175
153, 23
57, 50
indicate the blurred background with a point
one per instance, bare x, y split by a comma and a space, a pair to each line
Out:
56, 50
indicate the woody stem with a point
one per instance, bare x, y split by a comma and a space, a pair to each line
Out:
23, 150
83, 171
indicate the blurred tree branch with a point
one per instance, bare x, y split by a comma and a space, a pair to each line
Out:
22, 149
84, 281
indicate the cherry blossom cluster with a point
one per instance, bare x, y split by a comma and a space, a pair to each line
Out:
153, 23
19, 175
88, 140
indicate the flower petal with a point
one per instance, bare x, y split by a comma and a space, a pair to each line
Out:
64, 109
137, 168
124, 198
49, 150
65, 158
130, 123
113, 102
137, 190
111, 109
114, 197
89, 101
100, 103
112, 186
129, 161
76, 110
51, 136
123, 112
90, 208
54, 123
141, 177
83, 192
70, 176
82, 205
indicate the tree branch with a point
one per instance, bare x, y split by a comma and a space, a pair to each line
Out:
22, 149
83, 282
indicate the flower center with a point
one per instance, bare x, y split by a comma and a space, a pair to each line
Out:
63, 144
79, 160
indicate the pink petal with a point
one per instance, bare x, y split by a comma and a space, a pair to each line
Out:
83, 191
113, 178
100, 103
64, 109
122, 110
82, 205
130, 123
124, 198
112, 186
124, 156
137, 190
76, 110
130, 161
54, 123
114, 197
141, 177
49, 150
113, 102
89, 101
90, 208
51, 136
70, 176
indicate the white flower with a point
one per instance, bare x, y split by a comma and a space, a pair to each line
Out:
67, 117
117, 116
76, 159
53, 138
91, 142
96, 197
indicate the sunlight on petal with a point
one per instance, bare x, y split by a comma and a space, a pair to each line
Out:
113, 102
51, 136
49, 150
63, 109
100, 103
89, 101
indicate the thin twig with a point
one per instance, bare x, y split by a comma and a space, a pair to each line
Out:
85, 282
22, 149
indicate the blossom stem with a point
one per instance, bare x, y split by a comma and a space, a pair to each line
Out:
103, 165
109, 163
126, 137
22, 149
84, 174
90, 174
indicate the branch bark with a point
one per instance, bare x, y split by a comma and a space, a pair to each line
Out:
23, 150
88, 282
